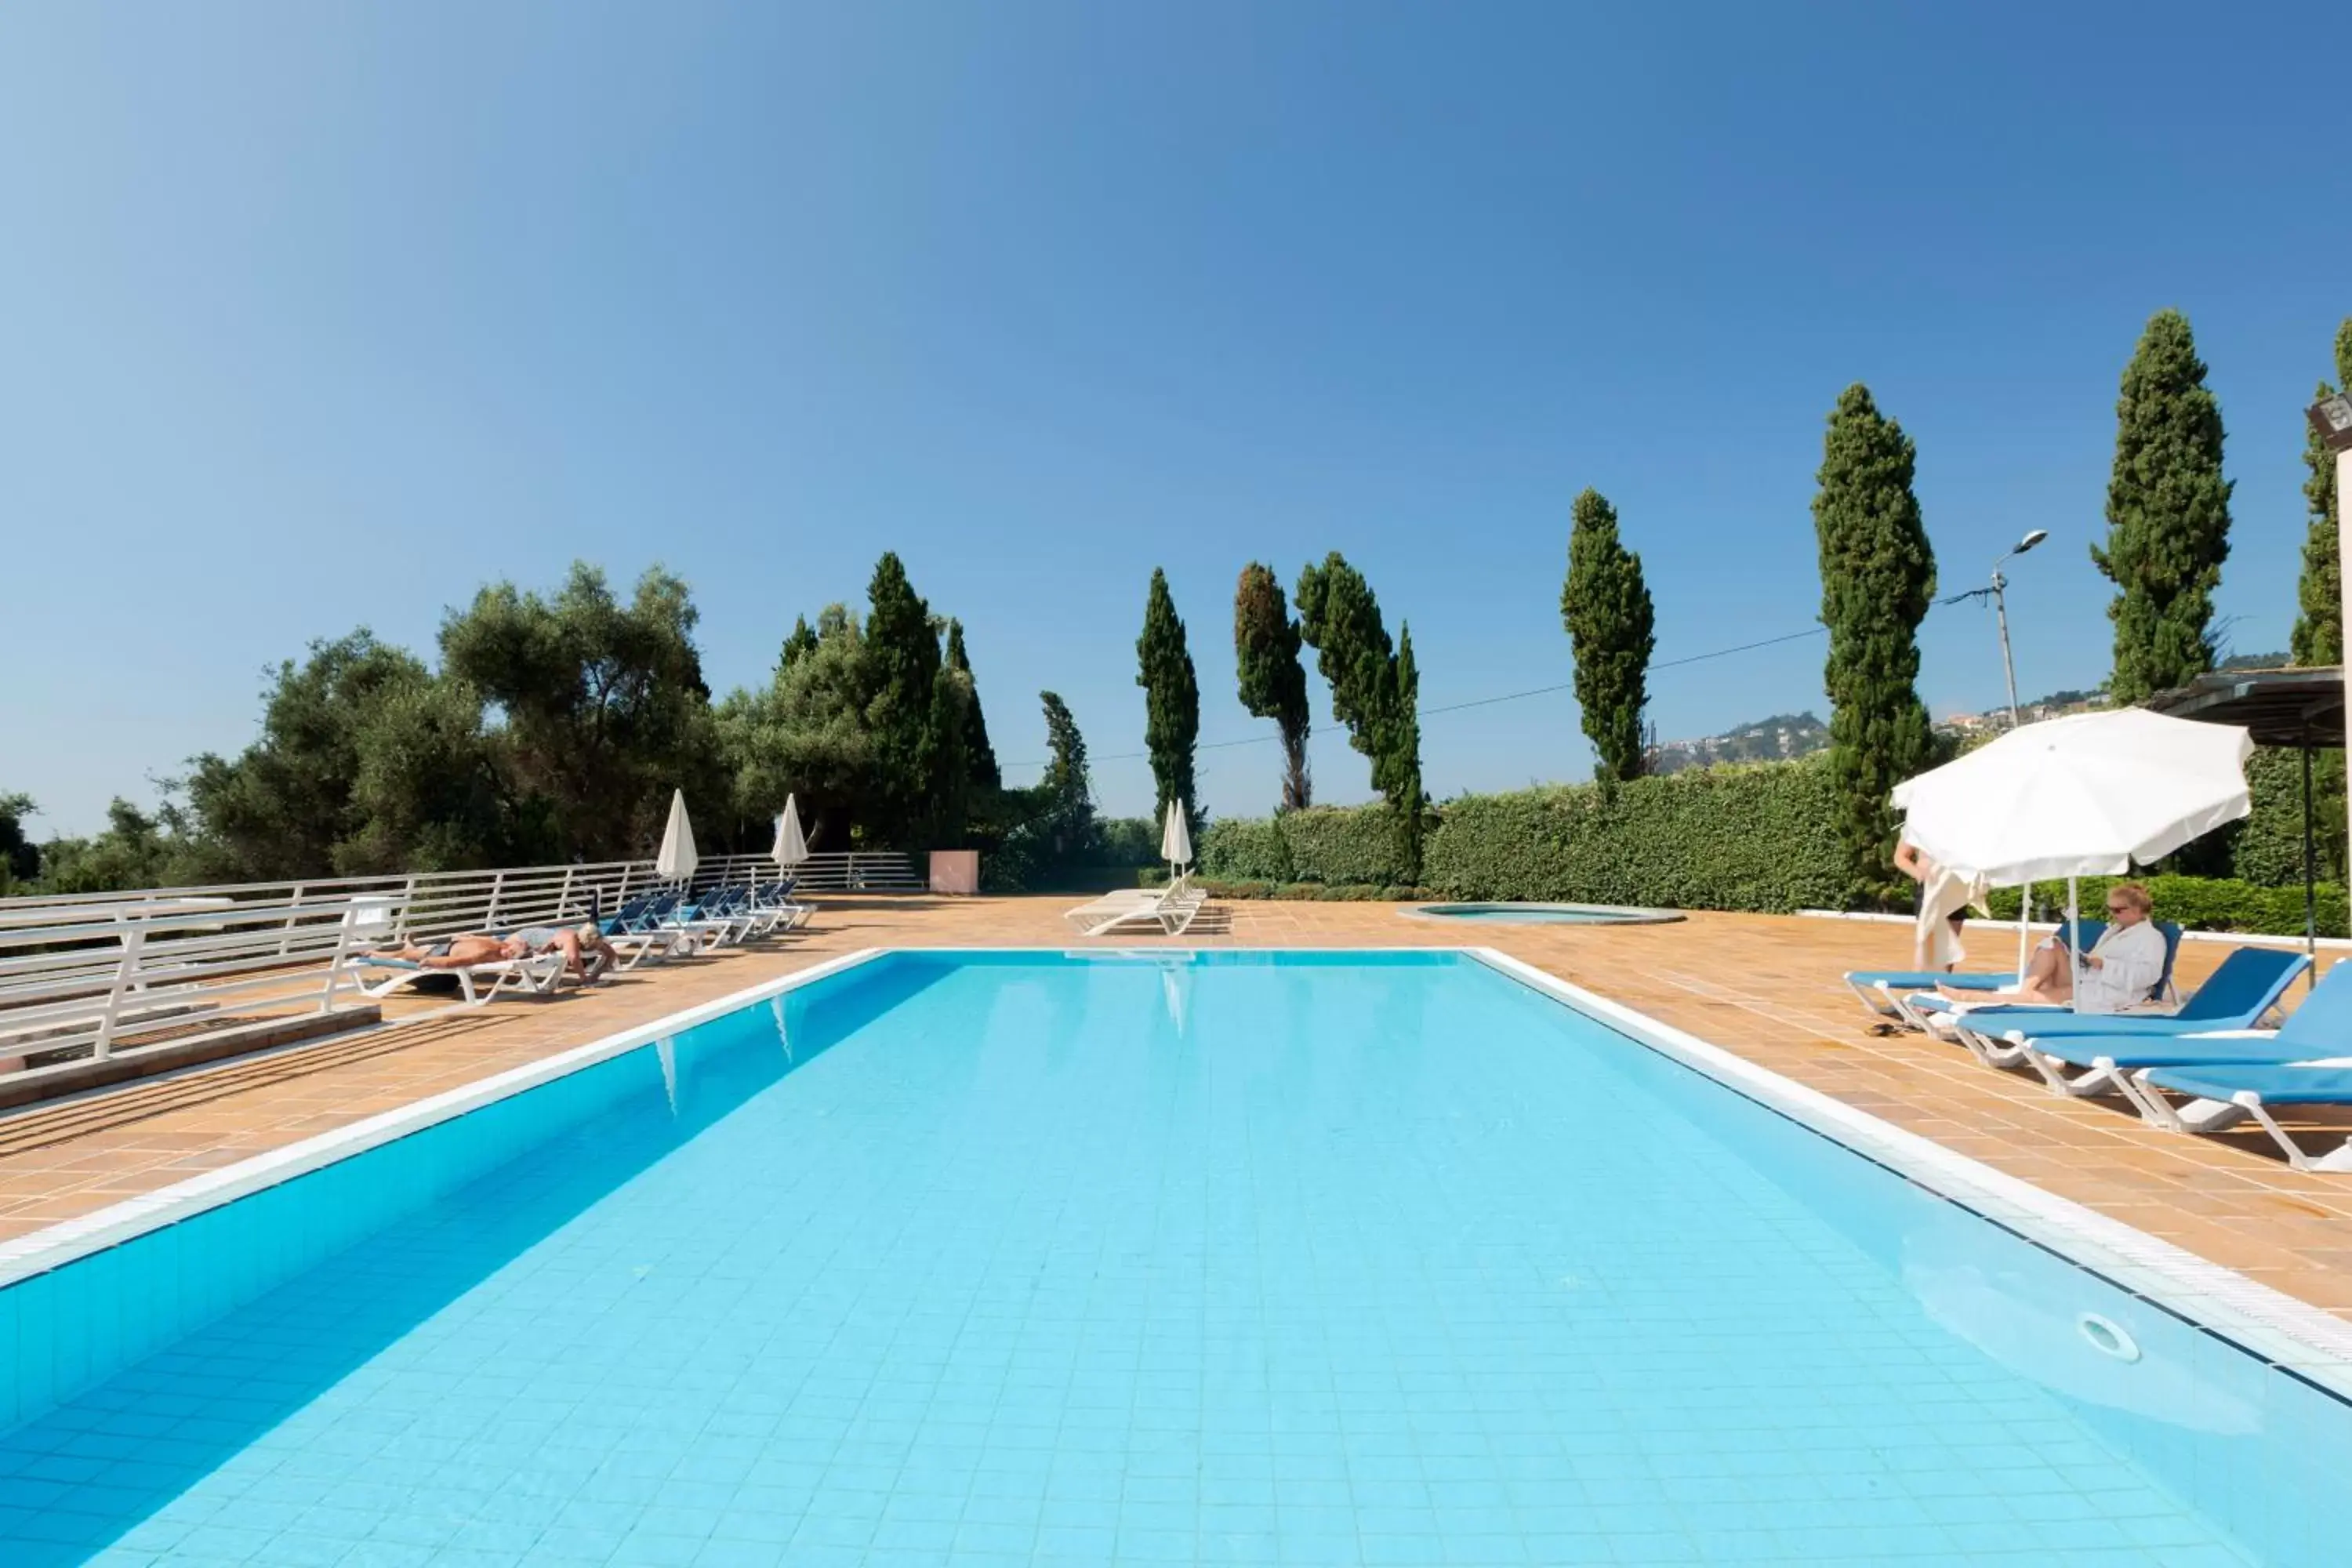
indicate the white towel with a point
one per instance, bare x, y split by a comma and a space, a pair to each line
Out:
1934, 943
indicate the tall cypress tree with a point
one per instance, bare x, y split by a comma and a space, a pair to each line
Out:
982, 756
1340, 620
954, 711
1605, 606
798, 645
1067, 783
1273, 682
902, 655
1171, 700
2319, 593
1878, 576
2168, 514
1375, 689
1396, 772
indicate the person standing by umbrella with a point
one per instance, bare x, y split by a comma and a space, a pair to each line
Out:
1944, 896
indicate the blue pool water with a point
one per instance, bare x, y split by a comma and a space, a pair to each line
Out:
1014, 1259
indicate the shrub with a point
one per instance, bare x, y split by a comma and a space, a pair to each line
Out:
2204, 903
2268, 846
1761, 837
1125, 841
1350, 893
1245, 847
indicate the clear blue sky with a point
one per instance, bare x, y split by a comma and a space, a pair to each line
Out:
317, 316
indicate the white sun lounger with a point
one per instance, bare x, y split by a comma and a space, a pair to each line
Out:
1170, 909
534, 976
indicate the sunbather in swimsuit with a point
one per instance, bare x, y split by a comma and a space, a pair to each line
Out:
457, 952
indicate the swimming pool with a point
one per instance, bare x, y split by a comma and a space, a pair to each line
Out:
1003, 1258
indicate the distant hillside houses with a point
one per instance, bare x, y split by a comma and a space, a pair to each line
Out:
1766, 740
1800, 734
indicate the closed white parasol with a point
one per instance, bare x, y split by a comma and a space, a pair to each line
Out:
677, 861
792, 847
1175, 837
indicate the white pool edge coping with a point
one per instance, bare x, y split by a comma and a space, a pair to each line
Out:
55, 1246
2268, 1322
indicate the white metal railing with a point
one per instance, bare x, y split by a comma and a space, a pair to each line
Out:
81, 974
83, 983
841, 871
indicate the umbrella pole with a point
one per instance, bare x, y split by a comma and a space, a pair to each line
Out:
2310, 897
2074, 946
2024, 913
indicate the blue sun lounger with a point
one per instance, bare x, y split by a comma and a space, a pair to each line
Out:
2079, 1053
2239, 995
1942, 1017
2233, 1092
1882, 990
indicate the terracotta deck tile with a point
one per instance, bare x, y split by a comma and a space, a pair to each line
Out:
1769, 991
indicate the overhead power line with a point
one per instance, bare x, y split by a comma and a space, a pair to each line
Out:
1475, 701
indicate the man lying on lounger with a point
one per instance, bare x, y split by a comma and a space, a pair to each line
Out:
578, 947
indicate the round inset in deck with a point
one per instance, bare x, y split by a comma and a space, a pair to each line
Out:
1541, 914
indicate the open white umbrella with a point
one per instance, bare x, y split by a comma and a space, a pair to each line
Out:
2088, 795
677, 861
792, 846
1175, 838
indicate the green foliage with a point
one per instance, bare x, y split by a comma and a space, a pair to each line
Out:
1396, 773
1750, 837
135, 851
1340, 620
1757, 838
1375, 691
602, 704
983, 772
2319, 592
367, 763
1878, 576
1273, 682
1171, 700
1126, 841
20, 858
902, 658
1605, 606
2204, 903
1052, 828
954, 711
2168, 514
798, 644
1068, 782
1249, 849
2267, 849
806, 735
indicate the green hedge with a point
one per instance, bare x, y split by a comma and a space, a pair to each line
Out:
2199, 903
2267, 848
1745, 837
1758, 836
1753, 836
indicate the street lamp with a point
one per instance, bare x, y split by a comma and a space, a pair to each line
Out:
2001, 603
